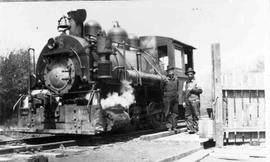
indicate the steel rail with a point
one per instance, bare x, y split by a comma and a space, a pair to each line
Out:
32, 140
38, 147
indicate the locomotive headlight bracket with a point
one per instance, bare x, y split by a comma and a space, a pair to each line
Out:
52, 44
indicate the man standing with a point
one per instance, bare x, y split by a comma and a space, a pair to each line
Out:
170, 98
191, 94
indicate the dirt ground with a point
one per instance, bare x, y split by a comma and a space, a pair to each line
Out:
134, 151
170, 148
236, 153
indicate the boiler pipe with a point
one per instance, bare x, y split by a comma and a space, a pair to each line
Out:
139, 61
145, 77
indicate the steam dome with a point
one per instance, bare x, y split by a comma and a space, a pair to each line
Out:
117, 34
92, 28
133, 40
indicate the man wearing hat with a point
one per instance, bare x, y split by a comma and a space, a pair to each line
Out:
170, 98
191, 94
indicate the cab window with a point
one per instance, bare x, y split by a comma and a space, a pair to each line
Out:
178, 57
163, 62
163, 57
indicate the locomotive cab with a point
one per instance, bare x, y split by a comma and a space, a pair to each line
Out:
169, 51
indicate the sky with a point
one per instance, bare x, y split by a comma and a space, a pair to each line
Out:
240, 26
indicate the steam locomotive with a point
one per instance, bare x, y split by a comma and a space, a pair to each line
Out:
88, 81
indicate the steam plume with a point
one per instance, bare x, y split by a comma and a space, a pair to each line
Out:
125, 98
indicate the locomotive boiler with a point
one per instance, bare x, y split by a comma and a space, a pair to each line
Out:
88, 81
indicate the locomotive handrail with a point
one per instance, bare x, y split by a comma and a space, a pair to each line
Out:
140, 78
126, 44
123, 56
117, 62
162, 76
143, 56
91, 95
70, 51
151, 57
15, 105
78, 57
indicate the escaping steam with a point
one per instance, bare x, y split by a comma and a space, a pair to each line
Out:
125, 98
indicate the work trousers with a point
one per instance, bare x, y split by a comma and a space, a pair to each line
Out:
192, 113
170, 109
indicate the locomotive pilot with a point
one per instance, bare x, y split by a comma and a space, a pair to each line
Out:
191, 94
170, 98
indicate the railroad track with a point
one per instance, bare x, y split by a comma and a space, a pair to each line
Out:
35, 144
54, 142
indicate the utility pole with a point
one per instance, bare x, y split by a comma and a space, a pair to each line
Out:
217, 94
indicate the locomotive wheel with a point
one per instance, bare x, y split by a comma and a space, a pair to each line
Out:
155, 115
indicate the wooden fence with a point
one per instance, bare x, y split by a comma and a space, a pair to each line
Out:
243, 107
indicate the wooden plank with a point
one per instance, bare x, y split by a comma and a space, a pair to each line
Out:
261, 99
244, 100
234, 108
253, 109
161, 134
244, 129
246, 109
238, 109
241, 88
231, 137
230, 109
267, 97
257, 108
216, 66
240, 81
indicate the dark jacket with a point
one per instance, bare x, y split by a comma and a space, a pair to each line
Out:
170, 87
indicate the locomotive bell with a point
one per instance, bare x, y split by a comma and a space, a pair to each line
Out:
63, 24
133, 41
117, 34
91, 28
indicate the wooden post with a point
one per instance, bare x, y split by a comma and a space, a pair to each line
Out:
217, 94
267, 101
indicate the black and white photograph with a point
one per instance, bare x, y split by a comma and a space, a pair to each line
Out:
134, 80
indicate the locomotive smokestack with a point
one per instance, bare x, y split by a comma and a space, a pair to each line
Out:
76, 22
